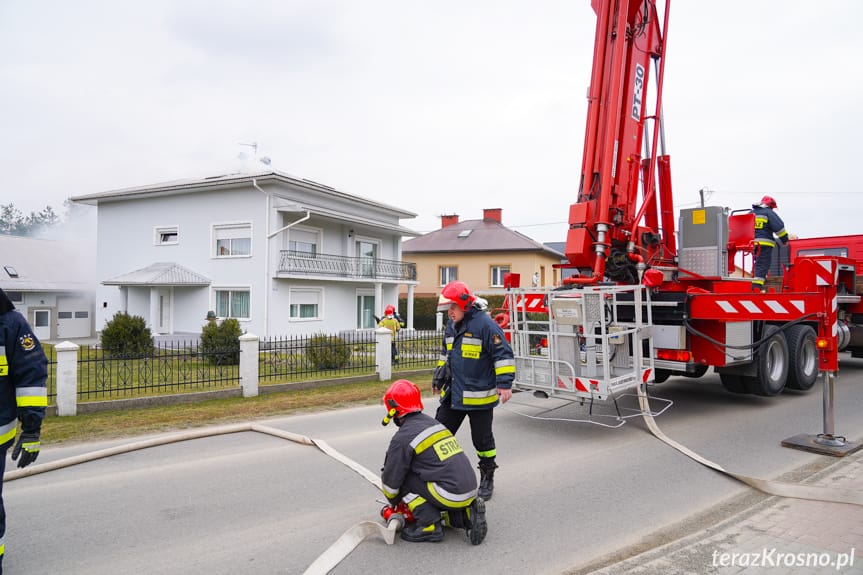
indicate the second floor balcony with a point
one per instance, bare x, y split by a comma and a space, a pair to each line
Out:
302, 263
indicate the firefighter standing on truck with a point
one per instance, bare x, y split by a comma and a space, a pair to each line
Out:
767, 223
475, 372
23, 395
426, 469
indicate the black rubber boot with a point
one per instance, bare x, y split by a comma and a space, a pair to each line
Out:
417, 533
478, 527
486, 479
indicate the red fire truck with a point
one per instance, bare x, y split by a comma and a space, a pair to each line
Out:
842, 246
654, 297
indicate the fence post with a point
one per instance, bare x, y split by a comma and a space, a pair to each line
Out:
67, 378
384, 353
438, 321
249, 351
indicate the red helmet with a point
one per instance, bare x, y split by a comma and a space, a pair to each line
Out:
769, 202
401, 398
389, 310
455, 292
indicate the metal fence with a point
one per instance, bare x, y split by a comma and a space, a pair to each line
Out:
291, 358
302, 262
173, 367
183, 367
418, 349
52, 373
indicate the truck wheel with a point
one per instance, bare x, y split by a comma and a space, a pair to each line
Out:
772, 364
661, 375
803, 371
733, 382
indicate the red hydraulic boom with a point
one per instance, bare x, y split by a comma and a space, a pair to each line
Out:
608, 235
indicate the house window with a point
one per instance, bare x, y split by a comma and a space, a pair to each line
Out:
233, 303
367, 254
16, 296
448, 274
166, 235
305, 304
303, 243
366, 310
233, 240
13, 273
497, 273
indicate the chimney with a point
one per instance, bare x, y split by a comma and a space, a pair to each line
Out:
491, 215
450, 220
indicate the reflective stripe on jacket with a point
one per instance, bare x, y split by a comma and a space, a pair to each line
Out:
767, 223
422, 445
481, 360
23, 373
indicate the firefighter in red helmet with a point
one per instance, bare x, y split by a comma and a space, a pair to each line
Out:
426, 469
392, 323
475, 372
767, 223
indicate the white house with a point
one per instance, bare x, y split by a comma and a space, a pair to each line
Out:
52, 283
283, 255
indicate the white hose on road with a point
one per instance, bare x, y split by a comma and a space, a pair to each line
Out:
830, 494
327, 560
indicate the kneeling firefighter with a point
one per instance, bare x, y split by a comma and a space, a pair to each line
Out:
426, 470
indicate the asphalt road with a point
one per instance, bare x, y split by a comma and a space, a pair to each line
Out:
565, 494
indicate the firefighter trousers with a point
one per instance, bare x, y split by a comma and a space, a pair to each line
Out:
480, 429
425, 508
2, 509
762, 263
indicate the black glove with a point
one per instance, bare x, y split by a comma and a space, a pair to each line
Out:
27, 447
442, 377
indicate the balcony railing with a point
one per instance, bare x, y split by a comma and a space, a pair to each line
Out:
305, 263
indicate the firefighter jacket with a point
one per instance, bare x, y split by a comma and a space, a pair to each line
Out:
23, 373
424, 447
767, 223
481, 360
391, 323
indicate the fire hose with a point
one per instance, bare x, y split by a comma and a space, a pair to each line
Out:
814, 492
325, 562
355, 535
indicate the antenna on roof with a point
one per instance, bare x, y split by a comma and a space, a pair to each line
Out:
248, 162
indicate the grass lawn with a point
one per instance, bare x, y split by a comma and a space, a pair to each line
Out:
132, 422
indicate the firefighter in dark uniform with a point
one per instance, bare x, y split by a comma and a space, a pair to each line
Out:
767, 223
426, 469
475, 372
23, 395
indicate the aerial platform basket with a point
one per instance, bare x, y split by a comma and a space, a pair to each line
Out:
575, 346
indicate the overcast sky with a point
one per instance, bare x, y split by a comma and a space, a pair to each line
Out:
437, 107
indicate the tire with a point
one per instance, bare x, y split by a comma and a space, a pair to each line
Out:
733, 382
773, 361
803, 367
661, 375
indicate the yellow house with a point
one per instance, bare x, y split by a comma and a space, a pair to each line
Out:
479, 253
